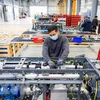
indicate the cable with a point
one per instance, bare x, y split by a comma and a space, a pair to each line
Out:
72, 91
96, 90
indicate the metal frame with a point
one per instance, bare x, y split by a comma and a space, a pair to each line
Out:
22, 80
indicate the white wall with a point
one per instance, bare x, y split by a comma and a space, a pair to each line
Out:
52, 7
37, 10
16, 13
1, 14
98, 12
9, 13
42, 3
85, 7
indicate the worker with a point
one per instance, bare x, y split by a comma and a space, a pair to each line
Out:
55, 46
87, 25
54, 18
95, 24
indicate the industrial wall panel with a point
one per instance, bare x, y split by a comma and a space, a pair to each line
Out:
41, 3
1, 14
9, 13
16, 3
98, 12
16, 9
52, 7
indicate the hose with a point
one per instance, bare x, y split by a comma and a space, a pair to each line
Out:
96, 90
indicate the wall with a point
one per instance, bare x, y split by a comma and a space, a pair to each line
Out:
98, 11
38, 10
52, 6
41, 3
1, 14
86, 5
25, 7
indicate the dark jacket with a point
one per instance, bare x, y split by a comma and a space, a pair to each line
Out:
95, 22
87, 25
55, 49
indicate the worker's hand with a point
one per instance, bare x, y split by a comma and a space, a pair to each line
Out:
51, 64
59, 62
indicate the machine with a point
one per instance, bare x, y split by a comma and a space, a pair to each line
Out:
32, 79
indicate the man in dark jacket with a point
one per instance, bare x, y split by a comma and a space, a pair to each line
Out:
94, 23
55, 46
87, 25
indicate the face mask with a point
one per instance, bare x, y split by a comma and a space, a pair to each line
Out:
55, 37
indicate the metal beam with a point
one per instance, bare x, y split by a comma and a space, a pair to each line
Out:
78, 6
70, 8
66, 6
4, 9
13, 1
94, 8
19, 2
47, 6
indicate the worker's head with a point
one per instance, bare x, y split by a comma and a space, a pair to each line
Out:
54, 15
96, 17
85, 18
53, 32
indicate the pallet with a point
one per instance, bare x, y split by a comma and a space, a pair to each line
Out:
6, 48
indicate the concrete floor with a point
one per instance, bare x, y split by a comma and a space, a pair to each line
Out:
18, 26
36, 51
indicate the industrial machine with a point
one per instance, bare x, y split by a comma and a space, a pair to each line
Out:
30, 78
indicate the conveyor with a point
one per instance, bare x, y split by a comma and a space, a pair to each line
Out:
38, 79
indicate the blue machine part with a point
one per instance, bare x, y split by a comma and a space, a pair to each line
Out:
9, 92
45, 28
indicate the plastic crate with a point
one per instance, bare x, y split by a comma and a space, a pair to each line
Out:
38, 39
77, 39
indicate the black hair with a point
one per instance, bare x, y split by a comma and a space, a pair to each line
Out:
52, 28
96, 16
86, 17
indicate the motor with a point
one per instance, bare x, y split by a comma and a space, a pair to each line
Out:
9, 92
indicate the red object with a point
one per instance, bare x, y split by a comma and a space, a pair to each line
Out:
75, 19
72, 20
47, 96
68, 20
98, 58
38, 39
54, 19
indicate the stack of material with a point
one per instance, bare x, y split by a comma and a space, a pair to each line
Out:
75, 19
68, 20
6, 49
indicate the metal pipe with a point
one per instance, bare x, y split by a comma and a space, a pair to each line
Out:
73, 66
52, 76
36, 95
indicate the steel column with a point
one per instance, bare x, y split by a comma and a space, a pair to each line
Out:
66, 6
70, 8
94, 8
47, 6
13, 1
78, 7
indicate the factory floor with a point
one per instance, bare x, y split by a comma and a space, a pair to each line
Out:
17, 26
22, 25
36, 51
